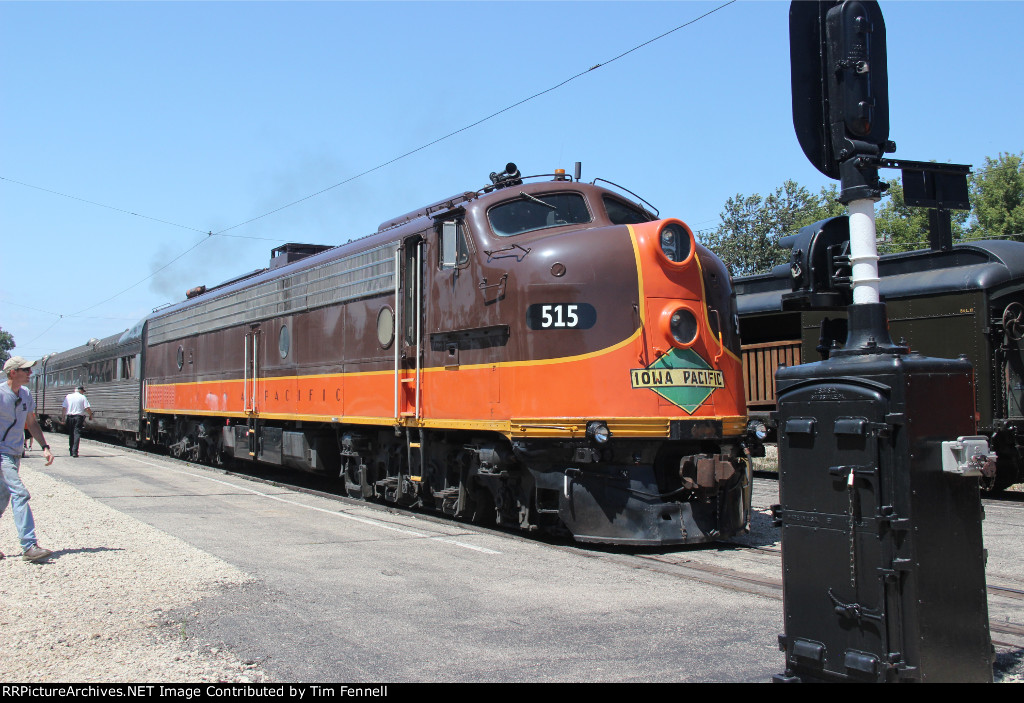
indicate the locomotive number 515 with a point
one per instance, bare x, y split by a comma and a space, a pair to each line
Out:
548, 316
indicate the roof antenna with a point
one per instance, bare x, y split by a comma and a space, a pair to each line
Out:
578, 171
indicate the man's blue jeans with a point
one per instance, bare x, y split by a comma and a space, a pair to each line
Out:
13, 490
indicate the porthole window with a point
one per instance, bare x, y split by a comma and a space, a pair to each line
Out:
385, 327
181, 358
284, 341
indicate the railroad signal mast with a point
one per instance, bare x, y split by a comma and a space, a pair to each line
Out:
874, 506
841, 114
840, 90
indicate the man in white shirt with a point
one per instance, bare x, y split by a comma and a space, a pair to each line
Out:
74, 408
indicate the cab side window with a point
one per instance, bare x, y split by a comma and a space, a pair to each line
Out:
622, 214
454, 250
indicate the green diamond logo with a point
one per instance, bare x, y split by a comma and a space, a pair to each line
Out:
681, 377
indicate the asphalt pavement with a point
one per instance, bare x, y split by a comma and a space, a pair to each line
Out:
341, 591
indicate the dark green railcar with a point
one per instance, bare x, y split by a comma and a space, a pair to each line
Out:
967, 301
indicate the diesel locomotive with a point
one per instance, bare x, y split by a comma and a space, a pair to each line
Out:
540, 353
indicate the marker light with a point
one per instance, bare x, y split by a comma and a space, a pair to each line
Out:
676, 242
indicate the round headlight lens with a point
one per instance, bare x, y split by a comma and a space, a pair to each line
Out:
683, 326
675, 242
668, 243
598, 431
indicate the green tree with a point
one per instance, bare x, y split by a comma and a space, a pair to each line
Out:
997, 197
6, 345
747, 238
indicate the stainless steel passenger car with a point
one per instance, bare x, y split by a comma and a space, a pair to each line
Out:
109, 369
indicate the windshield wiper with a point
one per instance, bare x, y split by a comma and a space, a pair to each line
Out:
538, 200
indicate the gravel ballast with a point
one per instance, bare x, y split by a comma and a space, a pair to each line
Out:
111, 604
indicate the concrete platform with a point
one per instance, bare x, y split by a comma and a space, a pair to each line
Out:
348, 592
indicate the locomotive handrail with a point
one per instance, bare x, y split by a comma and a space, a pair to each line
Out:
654, 211
398, 279
721, 343
484, 285
500, 285
419, 318
519, 181
245, 375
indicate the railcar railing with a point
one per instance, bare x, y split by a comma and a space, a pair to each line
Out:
759, 364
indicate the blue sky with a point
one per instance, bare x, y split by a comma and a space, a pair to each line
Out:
129, 129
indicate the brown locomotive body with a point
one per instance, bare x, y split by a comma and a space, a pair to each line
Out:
529, 354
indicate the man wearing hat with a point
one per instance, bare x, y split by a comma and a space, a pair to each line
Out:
73, 411
18, 412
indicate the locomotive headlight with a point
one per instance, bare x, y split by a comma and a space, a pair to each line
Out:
683, 326
676, 242
757, 429
598, 431
668, 243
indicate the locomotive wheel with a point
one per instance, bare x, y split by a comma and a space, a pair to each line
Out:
479, 508
1013, 321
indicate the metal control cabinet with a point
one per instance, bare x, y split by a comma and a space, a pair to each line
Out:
882, 556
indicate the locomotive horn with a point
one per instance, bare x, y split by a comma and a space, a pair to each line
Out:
509, 177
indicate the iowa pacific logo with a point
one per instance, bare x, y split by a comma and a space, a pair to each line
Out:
681, 377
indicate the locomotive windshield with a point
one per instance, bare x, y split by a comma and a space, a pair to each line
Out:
532, 212
622, 214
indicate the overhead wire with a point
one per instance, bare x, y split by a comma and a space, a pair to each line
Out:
204, 239
93, 202
480, 121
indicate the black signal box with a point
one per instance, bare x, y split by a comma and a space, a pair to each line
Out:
882, 556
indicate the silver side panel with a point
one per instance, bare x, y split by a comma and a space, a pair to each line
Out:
115, 405
298, 453
237, 439
352, 277
270, 445
276, 447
